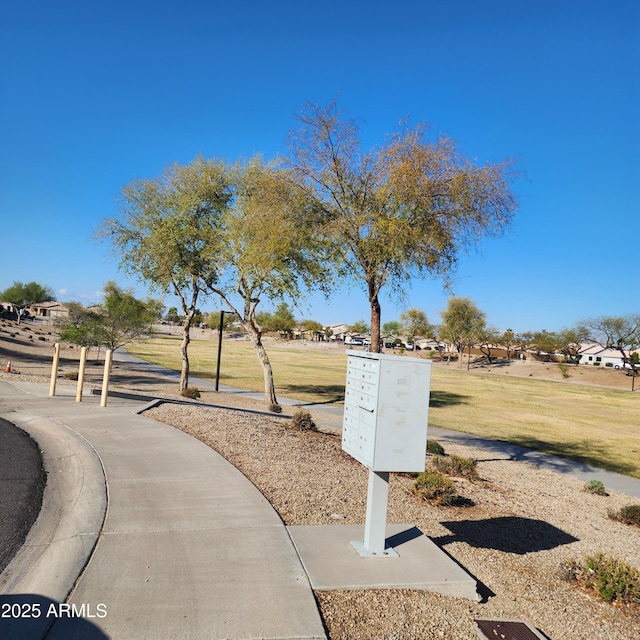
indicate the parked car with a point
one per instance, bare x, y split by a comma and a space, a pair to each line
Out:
621, 365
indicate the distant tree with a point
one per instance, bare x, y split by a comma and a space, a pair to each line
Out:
462, 324
120, 319
312, 327
169, 236
570, 342
525, 340
198, 317
508, 340
123, 317
22, 294
283, 320
407, 208
173, 316
264, 319
83, 327
359, 326
545, 343
393, 327
489, 339
415, 323
213, 320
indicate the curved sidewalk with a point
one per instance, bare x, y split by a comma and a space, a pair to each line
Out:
145, 533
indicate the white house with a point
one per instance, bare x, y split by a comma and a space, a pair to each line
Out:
599, 356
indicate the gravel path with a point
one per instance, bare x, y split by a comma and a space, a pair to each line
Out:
520, 526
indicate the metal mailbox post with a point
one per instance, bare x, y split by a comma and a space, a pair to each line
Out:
386, 411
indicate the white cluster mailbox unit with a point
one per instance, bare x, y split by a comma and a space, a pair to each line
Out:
386, 412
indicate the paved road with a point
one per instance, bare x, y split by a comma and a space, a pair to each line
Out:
22, 481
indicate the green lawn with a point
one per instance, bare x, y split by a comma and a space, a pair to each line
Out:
596, 426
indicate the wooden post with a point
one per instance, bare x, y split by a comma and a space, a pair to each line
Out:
83, 362
105, 378
54, 369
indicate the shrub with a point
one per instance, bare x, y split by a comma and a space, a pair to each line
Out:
191, 392
70, 375
456, 466
302, 421
435, 447
595, 486
613, 578
629, 515
564, 370
435, 487
275, 408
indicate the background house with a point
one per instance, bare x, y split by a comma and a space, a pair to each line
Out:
49, 310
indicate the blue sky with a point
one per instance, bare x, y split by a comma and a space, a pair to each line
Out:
96, 95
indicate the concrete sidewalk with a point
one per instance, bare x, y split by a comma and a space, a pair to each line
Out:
145, 533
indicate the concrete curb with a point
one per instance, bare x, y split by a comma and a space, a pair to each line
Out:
74, 505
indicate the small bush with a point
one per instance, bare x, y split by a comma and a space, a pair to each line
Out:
613, 578
302, 421
564, 370
435, 487
595, 486
456, 466
191, 392
629, 515
435, 447
42, 338
275, 408
70, 375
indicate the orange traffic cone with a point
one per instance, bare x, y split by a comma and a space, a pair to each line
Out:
8, 369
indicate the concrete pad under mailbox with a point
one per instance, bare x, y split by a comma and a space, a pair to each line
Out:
332, 563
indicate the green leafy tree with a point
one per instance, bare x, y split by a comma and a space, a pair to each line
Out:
359, 326
120, 319
393, 327
406, 208
21, 294
213, 320
462, 324
173, 316
83, 327
545, 343
570, 340
312, 327
268, 252
169, 235
416, 324
123, 317
525, 341
508, 340
283, 320
489, 339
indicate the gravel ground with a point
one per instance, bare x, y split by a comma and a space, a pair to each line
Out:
520, 525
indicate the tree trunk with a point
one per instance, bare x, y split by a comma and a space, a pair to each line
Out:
184, 350
375, 318
269, 387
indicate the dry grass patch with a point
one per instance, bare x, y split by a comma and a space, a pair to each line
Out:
592, 425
